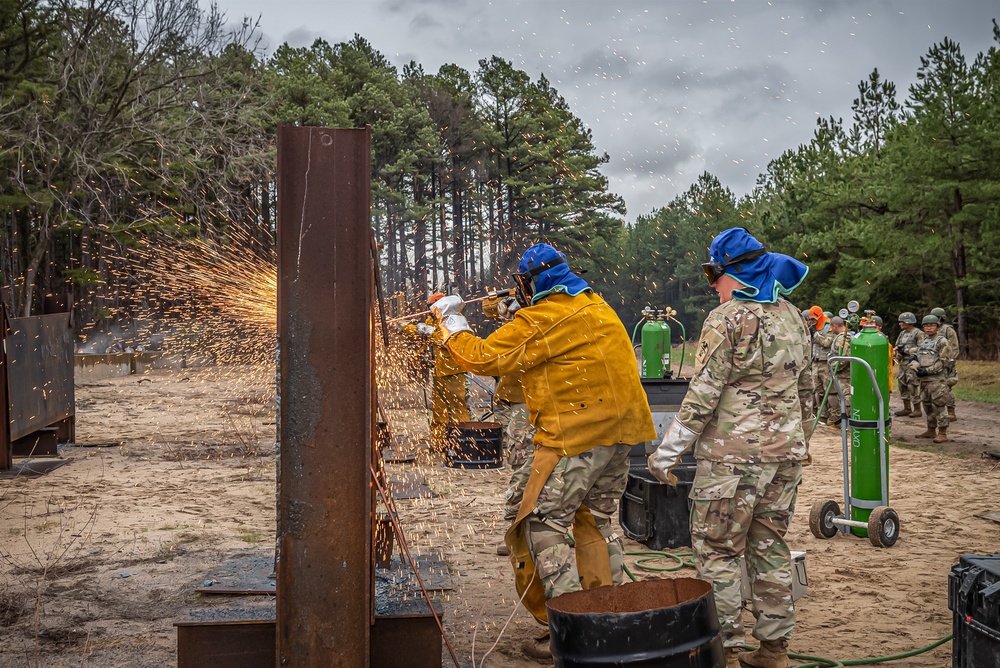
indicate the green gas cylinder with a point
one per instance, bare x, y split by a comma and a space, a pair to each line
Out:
655, 349
866, 474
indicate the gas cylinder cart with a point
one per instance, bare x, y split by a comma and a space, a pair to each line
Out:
866, 497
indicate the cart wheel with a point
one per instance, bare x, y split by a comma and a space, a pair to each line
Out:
883, 527
821, 518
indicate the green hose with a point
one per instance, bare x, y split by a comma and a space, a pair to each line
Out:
684, 558
636, 329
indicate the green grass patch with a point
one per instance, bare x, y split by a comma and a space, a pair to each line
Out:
978, 381
949, 449
249, 535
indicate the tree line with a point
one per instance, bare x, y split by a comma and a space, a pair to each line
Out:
127, 124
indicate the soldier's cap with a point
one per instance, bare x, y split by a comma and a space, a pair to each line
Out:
766, 276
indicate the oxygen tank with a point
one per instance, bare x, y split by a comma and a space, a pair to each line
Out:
652, 349
665, 333
866, 474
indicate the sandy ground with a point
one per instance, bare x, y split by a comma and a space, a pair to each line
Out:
99, 557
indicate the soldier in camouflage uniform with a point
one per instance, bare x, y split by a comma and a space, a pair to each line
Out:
588, 407
510, 409
822, 339
841, 345
951, 373
906, 378
934, 354
742, 417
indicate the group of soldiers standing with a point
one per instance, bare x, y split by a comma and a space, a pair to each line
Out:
924, 361
926, 372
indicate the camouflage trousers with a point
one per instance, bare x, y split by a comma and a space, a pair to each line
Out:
745, 509
448, 404
518, 434
820, 378
833, 400
595, 478
806, 393
934, 395
951, 380
908, 382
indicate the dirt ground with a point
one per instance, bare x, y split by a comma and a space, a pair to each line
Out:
174, 472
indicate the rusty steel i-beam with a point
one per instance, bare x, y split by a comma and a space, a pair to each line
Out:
324, 583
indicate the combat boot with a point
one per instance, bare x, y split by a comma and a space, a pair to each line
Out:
733, 657
951, 413
930, 431
905, 410
770, 654
916, 410
538, 648
942, 435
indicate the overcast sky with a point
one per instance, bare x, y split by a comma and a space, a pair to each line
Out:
670, 89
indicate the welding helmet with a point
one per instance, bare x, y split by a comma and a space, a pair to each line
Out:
541, 270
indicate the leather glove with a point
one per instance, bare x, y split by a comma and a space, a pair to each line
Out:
507, 307
491, 307
409, 329
448, 312
676, 440
921, 372
425, 329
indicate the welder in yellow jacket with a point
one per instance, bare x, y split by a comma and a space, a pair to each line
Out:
586, 402
448, 386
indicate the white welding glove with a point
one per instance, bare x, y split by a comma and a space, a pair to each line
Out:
676, 440
448, 311
507, 307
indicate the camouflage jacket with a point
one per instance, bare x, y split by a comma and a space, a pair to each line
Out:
907, 342
743, 397
822, 339
842, 346
949, 333
934, 355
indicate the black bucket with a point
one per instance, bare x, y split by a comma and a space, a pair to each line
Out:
661, 623
654, 513
474, 445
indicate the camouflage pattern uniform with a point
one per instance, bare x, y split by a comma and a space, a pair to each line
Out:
951, 372
841, 346
934, 354
510, 410
822, 339
906, 377
743, 399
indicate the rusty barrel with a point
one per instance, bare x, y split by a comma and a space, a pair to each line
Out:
670, 623
475, 445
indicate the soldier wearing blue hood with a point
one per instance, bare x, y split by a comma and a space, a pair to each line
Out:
583, 393
742, 416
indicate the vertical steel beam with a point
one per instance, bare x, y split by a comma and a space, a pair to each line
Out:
324, 591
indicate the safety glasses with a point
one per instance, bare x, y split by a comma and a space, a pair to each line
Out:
714, 270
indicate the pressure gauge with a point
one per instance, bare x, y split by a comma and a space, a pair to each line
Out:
844, 313
853, 306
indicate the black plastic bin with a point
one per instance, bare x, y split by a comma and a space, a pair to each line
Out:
974, 599
656, 514
474, 445
665, 623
